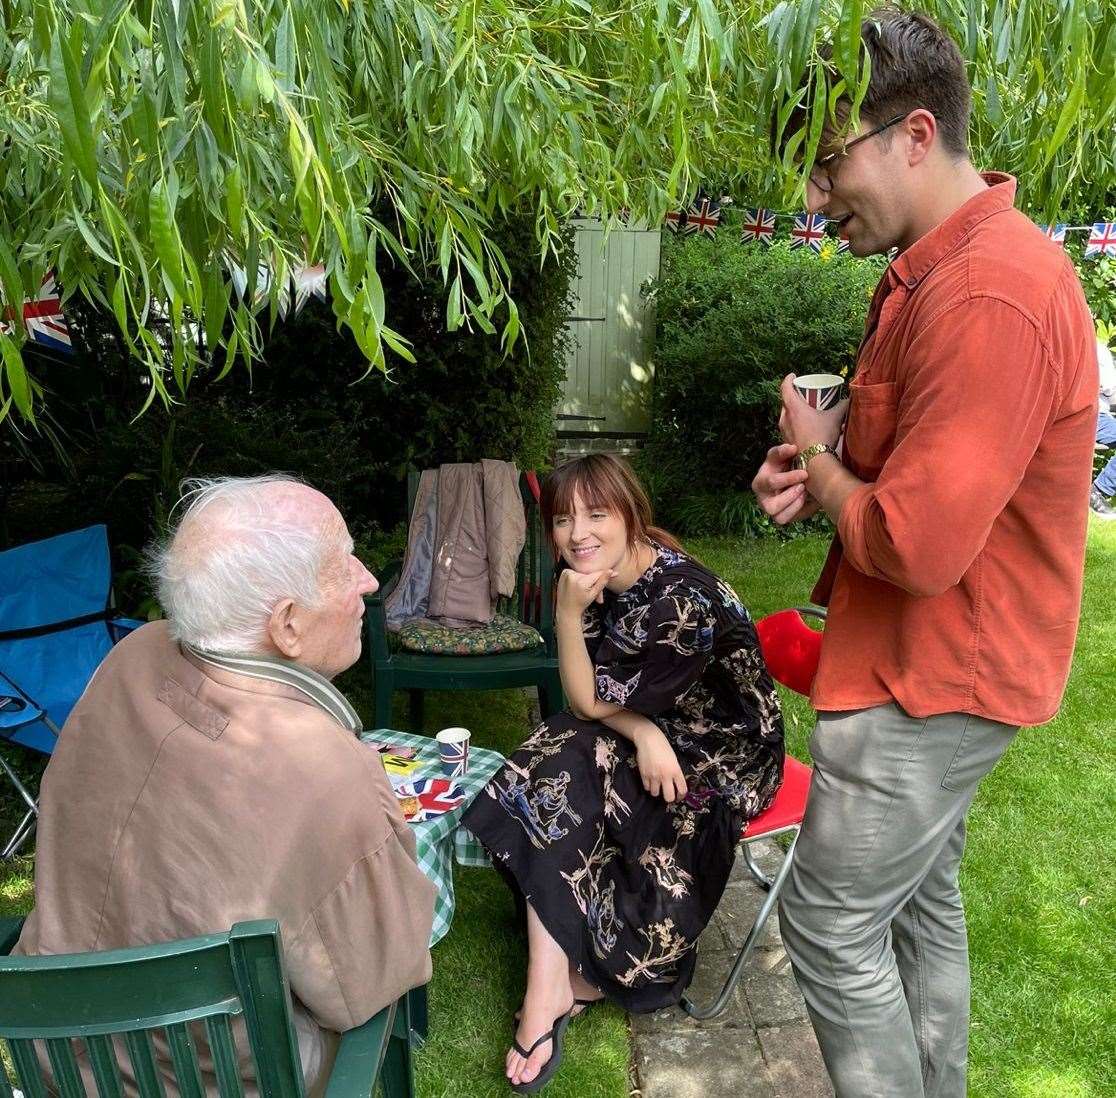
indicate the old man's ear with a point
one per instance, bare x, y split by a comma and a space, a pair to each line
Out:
285, 629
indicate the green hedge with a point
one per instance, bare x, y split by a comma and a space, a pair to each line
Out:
304, 410
732, 319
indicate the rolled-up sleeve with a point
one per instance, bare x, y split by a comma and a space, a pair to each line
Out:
976, 392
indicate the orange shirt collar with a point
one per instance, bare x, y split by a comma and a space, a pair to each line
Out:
913, 265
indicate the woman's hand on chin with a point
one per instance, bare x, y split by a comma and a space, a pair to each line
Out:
576, 590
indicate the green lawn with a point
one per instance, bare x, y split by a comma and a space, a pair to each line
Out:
1037, 880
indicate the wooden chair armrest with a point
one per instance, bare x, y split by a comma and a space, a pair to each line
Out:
9, 934
362, 1050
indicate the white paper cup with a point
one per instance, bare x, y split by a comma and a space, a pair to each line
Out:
821, 391
453, 749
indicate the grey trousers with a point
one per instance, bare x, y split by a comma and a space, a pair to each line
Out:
871, 913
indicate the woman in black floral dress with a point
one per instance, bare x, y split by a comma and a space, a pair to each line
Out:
617, 820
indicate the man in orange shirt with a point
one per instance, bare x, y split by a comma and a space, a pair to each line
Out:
954, 582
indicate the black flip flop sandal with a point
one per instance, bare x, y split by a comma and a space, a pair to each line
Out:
555, 1034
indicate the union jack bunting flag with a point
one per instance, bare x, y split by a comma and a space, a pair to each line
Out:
435, 796
703, 216
305, 282
842, 245
1102, 239
759, 226
809, 229
678, 222
308, 282
263, 283
42, 316
1057, 233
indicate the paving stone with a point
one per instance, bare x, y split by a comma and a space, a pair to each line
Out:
794, 1062
766, 853
737, 912
771, 990
701, 1064
712, 968
713, 938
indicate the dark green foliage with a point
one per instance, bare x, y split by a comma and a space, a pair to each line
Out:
461, 401
732, 320
1098, 279
305, 410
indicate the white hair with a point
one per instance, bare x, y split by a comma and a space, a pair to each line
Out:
219, 584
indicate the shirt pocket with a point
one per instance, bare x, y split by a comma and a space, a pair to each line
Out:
870, 428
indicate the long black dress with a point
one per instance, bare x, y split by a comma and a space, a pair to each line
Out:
624, 881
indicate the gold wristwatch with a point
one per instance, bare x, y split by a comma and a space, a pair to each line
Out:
803, 459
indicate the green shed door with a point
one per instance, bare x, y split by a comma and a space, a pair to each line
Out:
609, 364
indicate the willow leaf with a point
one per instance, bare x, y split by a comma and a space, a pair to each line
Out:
67, 99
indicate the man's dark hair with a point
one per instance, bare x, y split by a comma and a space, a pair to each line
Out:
914, 64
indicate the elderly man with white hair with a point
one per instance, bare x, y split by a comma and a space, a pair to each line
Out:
211, 772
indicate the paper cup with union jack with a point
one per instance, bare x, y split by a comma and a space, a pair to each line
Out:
453, 748
821, 391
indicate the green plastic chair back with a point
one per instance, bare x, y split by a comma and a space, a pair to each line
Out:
66, 1001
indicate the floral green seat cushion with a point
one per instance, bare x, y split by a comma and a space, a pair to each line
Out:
502, 634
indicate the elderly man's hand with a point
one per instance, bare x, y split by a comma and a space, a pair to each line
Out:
803, 426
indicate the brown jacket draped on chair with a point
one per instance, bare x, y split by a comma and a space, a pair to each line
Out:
467, 531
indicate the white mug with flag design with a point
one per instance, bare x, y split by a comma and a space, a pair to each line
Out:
453, 748
821, 391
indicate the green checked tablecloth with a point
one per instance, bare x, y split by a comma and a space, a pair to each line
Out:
439, 839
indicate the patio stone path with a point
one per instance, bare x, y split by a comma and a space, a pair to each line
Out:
762, 1046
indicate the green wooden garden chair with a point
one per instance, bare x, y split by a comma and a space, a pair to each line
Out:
532, 604
128, 993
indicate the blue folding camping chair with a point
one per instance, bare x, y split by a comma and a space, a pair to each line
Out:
56, 625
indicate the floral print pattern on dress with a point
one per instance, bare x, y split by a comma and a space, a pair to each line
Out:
624, 881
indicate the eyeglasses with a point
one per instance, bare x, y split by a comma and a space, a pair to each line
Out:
824, 171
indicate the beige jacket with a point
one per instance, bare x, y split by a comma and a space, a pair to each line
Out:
182, 798
479, 534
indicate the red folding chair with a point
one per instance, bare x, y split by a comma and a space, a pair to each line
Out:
790, 649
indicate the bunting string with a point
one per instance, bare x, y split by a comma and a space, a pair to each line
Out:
46, 326
809, 230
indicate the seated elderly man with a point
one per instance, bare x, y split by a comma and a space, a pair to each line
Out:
210, 772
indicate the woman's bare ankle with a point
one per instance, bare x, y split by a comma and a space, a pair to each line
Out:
581, 988
547, 999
